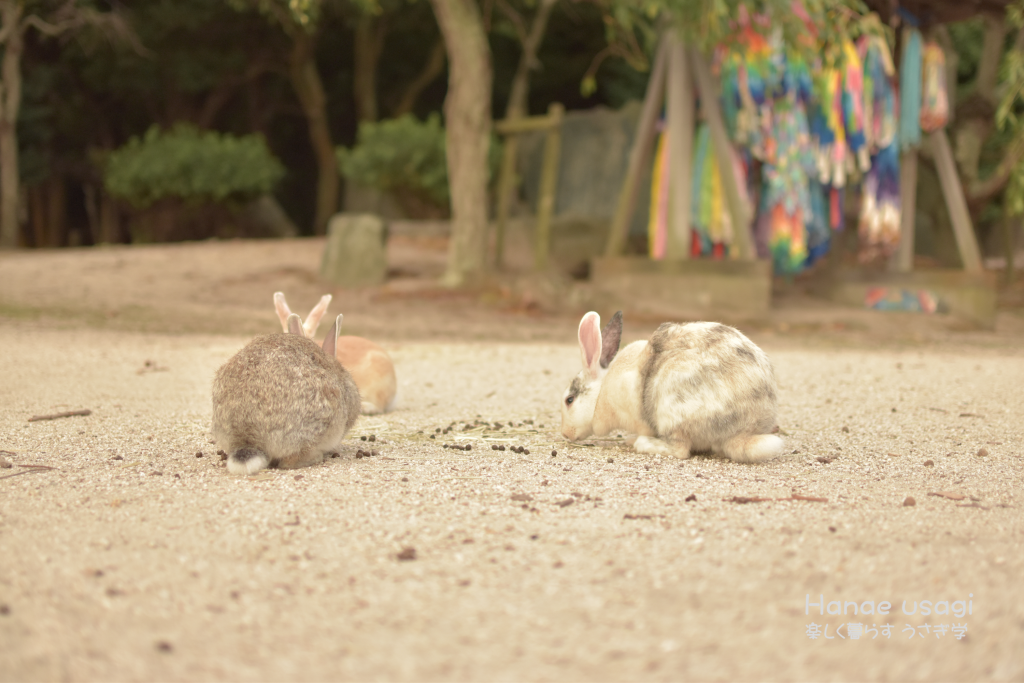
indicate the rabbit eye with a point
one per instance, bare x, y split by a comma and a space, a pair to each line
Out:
569, 400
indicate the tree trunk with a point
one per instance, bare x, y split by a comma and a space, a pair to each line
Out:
519, 96
310, 91
368, 44
56, 212
979, 109
467, 109
10, 103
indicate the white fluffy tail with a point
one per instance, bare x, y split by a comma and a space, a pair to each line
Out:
247, 460
757, 448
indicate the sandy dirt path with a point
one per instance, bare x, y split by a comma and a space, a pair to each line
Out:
134, 558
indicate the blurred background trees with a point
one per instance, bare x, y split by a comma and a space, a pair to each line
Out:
85, 87
300, 74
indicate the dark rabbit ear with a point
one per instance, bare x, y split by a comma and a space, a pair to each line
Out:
331, 340
295, 325
611, 336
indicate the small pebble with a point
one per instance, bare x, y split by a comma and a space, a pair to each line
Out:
372, 438
832, 529
554, 453
468, 447
525, 451
929, 463
408, 553
982, 453
199, 454
611, 460
4, 610
909, 502
164, 646
5, 463
846, 430
299, 476
433, 436
692, 498
494, 447
117, 457
362, 438
405, 478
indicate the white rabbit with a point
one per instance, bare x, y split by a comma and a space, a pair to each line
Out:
370, 365
282, 401
693, 387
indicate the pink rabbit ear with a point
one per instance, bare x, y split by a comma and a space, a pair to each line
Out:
331, 340
313, 319
295, 325
282, 309
590, 342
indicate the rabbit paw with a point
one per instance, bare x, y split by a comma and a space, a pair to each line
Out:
370, 409
655, 446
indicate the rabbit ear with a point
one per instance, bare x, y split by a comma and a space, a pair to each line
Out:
590, 342
295, 325
282, 309
313, 319
610, 339
331, 340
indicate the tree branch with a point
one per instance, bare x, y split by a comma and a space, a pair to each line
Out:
980, 191
431, 70
46, 28
518, 23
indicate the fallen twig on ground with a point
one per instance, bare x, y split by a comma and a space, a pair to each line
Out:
745, 499
29, 469
70, 413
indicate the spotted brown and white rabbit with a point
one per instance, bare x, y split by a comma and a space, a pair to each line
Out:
283, 401
692, 387
370, 365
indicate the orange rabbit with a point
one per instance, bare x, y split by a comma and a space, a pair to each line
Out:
369, 364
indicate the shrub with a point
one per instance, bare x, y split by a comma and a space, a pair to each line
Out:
191, 165
404, 156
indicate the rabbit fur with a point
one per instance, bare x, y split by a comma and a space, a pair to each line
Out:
369, 364
699, 386
283, 401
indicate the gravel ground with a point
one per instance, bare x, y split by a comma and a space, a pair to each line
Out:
137, 558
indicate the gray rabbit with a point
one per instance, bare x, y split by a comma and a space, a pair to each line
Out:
283, 401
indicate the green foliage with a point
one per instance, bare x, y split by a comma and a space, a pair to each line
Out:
633, 26
192, 165
404, 154
1010, 114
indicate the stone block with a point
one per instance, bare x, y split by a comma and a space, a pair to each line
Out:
355, 252
678, 289
949, 292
